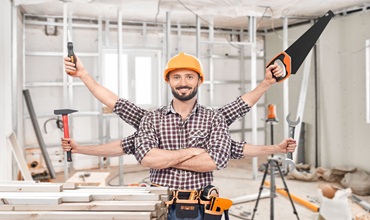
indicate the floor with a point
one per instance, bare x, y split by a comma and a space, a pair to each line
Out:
236, 181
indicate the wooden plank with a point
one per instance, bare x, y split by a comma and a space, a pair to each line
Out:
158, 190
17, 182
108, 190
75, 215
129, 196
69, 186
31, 187
252, 197
92, 179
66, 196
27, 200
94, 205
19, 157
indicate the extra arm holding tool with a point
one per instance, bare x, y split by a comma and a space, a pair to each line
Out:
293, 57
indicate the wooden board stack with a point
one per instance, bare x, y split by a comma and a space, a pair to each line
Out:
47, 201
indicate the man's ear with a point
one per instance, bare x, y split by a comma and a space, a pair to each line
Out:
200, 82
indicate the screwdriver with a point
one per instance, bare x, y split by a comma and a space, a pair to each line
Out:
71, 54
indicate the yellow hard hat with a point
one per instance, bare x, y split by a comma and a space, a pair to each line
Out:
184, 61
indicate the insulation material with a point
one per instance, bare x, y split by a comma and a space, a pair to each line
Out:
336, 207
358, 181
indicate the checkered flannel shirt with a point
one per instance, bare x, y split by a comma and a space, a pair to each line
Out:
165, 129
132, 114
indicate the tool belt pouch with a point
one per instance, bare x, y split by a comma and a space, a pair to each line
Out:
187, 208
211, 215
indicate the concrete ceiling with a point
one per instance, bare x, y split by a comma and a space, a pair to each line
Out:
222, 13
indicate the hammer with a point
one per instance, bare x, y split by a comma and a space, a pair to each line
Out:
64, 113
289, 159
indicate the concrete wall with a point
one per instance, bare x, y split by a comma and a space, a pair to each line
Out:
342, 129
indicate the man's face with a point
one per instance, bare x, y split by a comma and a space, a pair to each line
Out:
184, 83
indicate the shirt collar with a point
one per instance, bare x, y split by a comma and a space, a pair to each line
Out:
171, 109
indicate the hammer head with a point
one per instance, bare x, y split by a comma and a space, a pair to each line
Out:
64, 111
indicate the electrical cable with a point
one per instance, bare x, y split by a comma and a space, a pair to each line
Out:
158, 10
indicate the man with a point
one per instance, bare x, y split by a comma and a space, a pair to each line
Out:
133, 114
184, 142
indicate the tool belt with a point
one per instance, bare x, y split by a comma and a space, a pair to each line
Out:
187, 204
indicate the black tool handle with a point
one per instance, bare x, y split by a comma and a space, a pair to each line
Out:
285, 59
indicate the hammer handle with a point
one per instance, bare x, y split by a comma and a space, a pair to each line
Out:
66, 135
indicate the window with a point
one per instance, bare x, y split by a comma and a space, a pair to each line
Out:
139, 81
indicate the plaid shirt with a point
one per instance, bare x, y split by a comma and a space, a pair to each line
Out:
165, 129
132, 114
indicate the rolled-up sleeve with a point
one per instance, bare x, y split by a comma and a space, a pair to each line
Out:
219, 142
234, 110
129, 112
128, 144
146, 138
237, 149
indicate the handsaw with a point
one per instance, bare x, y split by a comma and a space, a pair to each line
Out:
293, 57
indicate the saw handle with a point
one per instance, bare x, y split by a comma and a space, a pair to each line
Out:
286, 60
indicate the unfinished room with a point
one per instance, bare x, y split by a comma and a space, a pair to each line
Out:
185, 109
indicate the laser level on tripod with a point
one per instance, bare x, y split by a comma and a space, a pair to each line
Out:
271, 164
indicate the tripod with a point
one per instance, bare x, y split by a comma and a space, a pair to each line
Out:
273, 162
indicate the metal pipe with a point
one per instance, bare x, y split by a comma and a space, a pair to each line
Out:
286, 82
120, 68
253, 41
36, 127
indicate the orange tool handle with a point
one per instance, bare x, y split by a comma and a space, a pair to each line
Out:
297, 199
271, 111
287, 62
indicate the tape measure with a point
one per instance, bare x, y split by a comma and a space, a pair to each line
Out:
209, 192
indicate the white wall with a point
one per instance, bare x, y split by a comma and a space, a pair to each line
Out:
343, 132
5, 90
86, 40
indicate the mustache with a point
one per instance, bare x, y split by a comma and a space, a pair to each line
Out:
183, 87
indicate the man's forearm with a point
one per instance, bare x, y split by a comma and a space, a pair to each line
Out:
254, 150
252, 97
161, 159
200, 163
103, 94
111, 149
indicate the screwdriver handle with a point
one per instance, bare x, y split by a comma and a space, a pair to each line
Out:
71, 54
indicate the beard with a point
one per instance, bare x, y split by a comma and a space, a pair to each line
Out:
182, 97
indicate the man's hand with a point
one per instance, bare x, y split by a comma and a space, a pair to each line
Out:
287, 145
69, 145
72, 69
273, 70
